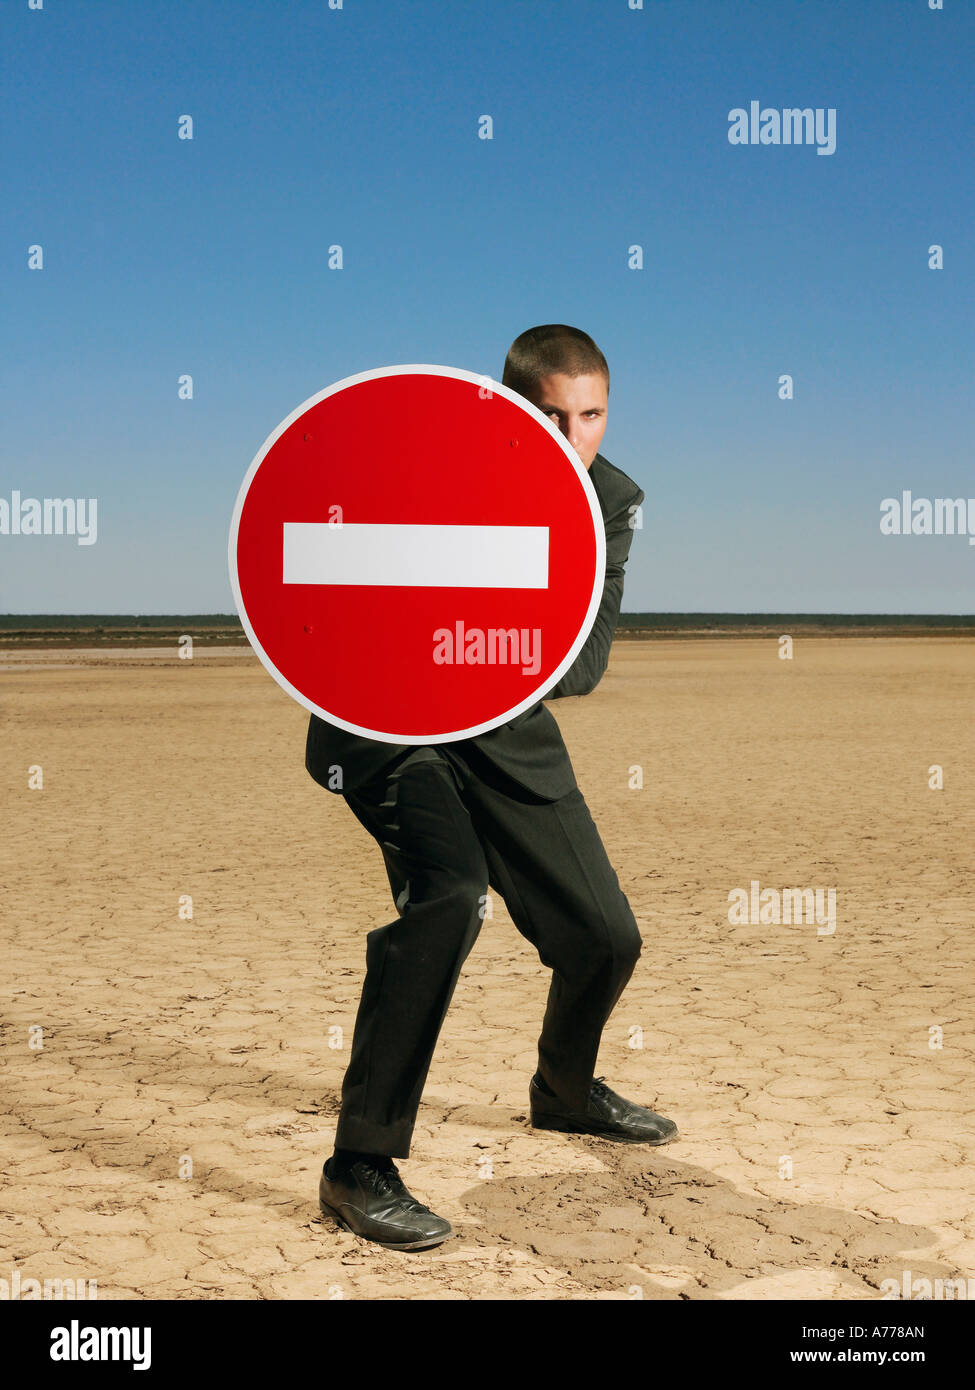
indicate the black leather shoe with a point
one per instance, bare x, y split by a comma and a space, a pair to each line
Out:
369, 1199
608, 1115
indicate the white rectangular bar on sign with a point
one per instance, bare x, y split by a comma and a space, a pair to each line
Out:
411, 556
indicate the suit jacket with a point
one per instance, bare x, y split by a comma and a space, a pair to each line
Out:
529, 748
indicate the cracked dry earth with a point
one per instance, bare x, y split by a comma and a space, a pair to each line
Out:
166, 1138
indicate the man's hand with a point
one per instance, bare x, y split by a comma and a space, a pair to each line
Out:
587, 670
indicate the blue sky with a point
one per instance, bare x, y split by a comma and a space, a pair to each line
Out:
359, 127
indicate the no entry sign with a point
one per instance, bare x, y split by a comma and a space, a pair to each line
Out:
417, 554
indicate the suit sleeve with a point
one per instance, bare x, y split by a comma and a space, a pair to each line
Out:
587, 670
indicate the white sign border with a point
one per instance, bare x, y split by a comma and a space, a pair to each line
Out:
476, 379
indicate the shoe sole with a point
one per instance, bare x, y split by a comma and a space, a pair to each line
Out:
427, 1243
548, 1122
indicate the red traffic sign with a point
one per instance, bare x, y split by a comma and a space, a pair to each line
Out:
417, 554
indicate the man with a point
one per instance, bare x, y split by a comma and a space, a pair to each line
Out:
502, 808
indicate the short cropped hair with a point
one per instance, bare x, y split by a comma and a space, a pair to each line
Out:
547, 350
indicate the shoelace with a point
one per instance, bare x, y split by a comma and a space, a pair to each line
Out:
382, 1180
387, 1180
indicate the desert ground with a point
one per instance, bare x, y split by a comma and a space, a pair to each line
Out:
170, 1082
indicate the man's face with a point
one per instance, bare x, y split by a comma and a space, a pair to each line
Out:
577, 407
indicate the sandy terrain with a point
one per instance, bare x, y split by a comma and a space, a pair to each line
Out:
826, 1145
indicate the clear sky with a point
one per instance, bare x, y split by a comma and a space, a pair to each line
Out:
359, 126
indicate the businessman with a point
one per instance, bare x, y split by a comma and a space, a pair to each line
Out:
502, 808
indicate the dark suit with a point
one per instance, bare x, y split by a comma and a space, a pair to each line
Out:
500, 808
